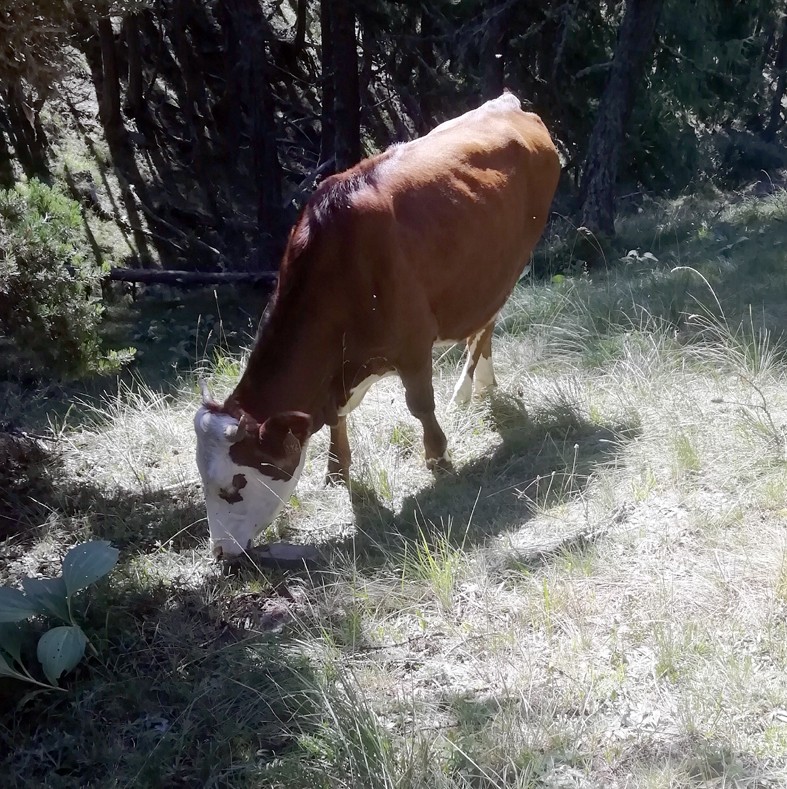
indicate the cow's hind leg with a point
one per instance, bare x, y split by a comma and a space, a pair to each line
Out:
339, 455
484, 378
419, 394
478, 374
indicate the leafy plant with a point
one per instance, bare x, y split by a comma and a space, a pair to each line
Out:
61, 648
50, 305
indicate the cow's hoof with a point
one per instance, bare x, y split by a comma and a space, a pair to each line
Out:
484, 390
441, 465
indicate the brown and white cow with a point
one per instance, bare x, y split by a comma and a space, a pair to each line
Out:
421, 244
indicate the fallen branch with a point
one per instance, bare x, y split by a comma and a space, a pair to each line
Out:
306, 186
186, 279
159, 221
593, 69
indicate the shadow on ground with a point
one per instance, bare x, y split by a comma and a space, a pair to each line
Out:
544, 459
41, 500
196, 685
176, 697
187, 686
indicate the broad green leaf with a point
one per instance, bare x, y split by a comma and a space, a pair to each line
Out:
14, 606
48, 595
84, 564
7, 671
60, 649
11, 636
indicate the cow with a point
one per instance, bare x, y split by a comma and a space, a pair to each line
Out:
421, 244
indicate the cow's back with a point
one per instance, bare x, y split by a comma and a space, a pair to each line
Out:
424, 241
459, 211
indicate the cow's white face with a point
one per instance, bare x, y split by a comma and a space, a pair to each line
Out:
248, 472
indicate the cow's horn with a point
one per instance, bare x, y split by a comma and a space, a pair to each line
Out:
207, 397
235, 433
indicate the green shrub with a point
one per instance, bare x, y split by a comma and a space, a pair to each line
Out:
50, 304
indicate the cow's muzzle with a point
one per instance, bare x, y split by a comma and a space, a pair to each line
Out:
227, 549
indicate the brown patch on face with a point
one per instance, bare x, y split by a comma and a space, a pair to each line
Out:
232, 495
274, 448
249, 452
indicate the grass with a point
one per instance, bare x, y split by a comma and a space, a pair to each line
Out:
597, 598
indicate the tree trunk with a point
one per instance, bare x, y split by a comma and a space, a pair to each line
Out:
134, 84
775, 121
110, 98
633, 50
565, 24
122, 157
193, 106
425, 73
29, 140
264, 146
494, 50
347, 110
300, 27
251, 28
227, 111
327, 66
402, 65
6, 168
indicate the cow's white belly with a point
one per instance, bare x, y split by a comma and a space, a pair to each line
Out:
357, 392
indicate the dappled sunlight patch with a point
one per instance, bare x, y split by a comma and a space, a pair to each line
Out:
140, 439
436, 558
186, 570
40, 556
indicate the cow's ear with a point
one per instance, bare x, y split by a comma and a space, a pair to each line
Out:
285, 433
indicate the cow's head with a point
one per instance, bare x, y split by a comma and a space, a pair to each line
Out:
248, 471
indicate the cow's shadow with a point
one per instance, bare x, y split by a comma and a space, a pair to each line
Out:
543, 460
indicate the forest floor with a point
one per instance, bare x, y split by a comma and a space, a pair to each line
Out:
596, 598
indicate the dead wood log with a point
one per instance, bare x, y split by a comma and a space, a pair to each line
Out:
190, 279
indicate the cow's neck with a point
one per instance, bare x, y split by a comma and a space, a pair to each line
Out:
290, 373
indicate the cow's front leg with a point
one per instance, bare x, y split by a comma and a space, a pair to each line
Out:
419, 395
339, 457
